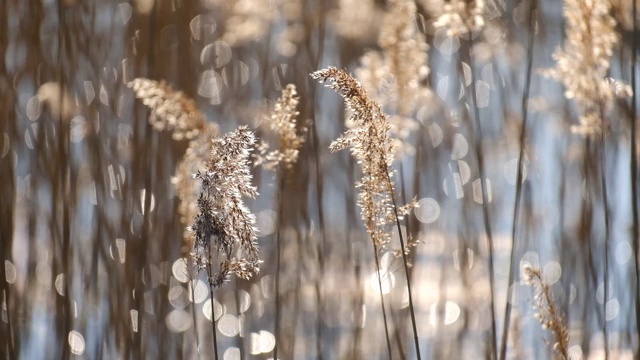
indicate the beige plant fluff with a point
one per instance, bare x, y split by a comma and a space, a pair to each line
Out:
548, 313
582, 63
171, 110
224, 228
371, 145
282, 120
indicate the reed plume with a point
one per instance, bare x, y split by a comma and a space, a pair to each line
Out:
282, 121
224, 227
187, 187
582, 66
171, 110
460, 17
372, 146
548, 313
355, 19
395, 76
242, 21
582, 63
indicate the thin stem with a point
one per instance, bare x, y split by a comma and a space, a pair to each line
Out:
319, 245
485, 207
516, 207
319, 188
356, 351
213, 319
148, 180
277, 296
63, 179
7, 206
384, 311
193, 311
606, 242
397, 335
634, 167
406, 267
277, 285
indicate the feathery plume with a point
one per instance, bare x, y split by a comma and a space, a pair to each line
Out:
459, 17
395, 76
283, 121
224, 227
373, 148
356, 19
548, 313
243, 21
187, 187
371, 145
170, 109
584, 60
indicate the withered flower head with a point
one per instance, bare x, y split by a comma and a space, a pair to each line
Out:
171, 110
548, 313
395, 77
283, 121
459, 17
371, 145
224, 227
188, 188
583, 62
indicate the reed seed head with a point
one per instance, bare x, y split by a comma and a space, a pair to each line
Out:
224, 227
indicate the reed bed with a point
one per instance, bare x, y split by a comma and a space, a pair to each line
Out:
174, 185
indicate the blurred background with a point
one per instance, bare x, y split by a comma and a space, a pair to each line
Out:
93, 256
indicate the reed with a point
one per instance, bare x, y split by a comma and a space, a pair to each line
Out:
135, 137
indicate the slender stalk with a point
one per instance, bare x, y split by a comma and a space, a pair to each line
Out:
213, 313
384, 311
606, 242
213, 320
406, 269
319, 245
377, 259
63, 172
193, 312
634, 167
240, 338
370, 145
147, 178
7, 207
319, 188
485, 206
358, 295
356, 351
277, 297
278, 250
296, 300
397, 335
516, 207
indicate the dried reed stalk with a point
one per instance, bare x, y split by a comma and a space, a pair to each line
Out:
282, 120
373, 148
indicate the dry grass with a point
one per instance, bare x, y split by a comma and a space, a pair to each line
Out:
134, 142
